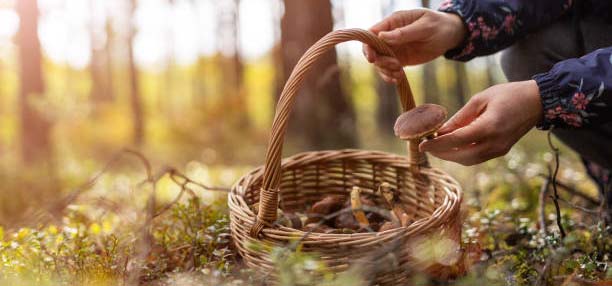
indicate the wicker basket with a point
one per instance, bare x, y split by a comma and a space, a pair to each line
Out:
433, 197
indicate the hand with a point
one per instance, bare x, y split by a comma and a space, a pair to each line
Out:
489, 124
416, 36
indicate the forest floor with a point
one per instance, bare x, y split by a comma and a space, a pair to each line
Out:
155, 225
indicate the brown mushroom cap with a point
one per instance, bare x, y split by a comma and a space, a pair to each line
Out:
419, 122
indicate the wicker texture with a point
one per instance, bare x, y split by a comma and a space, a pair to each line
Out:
432, 196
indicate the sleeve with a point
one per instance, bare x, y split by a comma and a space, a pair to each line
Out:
496, 24
577, 93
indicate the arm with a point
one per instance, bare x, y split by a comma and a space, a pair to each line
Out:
496, 24
577, 92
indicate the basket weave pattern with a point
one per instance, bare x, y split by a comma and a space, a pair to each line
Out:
431, 197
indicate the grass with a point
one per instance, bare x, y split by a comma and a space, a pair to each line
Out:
126, 228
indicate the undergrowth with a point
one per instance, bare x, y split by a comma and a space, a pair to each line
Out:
138, 240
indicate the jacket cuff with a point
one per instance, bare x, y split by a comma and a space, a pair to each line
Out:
557, 109
464, 9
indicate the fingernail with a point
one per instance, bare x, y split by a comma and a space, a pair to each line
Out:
384, 35
443, 129
423, 147
387, 36
367, 55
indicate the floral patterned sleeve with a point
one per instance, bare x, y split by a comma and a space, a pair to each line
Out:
496, 24
577, 92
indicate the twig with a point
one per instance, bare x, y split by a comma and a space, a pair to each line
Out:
174, 173
554, 182
176, 199
542, 276
542, 211
582, 209
145, 162
573, 191
582, 281
143, 248
59, 205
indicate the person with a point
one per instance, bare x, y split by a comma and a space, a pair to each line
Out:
557, 59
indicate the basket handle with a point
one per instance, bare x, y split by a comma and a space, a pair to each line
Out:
268, 200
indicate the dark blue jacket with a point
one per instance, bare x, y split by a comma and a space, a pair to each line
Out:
576, 93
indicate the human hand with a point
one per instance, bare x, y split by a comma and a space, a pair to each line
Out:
416, 36
489, 124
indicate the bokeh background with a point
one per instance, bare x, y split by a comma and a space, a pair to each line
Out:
192, 84
192, 81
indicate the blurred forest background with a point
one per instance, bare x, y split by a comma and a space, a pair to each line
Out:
190, 81
192, 84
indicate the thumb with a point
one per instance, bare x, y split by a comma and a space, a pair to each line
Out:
397, 20
464, 116
403, 35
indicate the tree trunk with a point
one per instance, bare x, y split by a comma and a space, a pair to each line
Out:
461, 88
229, 60
323, 116
99, 69
108, 57
430, 83
388, 107
490, 61
35, 129
135, 100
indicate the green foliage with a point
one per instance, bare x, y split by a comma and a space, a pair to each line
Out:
191, 237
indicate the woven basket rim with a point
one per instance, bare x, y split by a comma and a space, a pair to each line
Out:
428, 222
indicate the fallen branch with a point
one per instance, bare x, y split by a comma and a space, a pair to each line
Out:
542, 206
544, 273
573, 191
554, 183
577, 207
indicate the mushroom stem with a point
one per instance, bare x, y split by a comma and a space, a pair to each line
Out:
417, 158
357, 208
399, 215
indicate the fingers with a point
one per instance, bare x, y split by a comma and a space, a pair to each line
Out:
381, 61
397, 20
389, 68
388, 79
468, 126
476, 153
470, 155
407, 34
388, 63
465, 115
402, 27
459, 138
390, 76
369, 53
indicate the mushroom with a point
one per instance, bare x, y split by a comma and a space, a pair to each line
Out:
358, 219
414, 125
388, 226
420, 122
326, 206
398, 213
356, 206
346, 220
319, 228
287, 219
